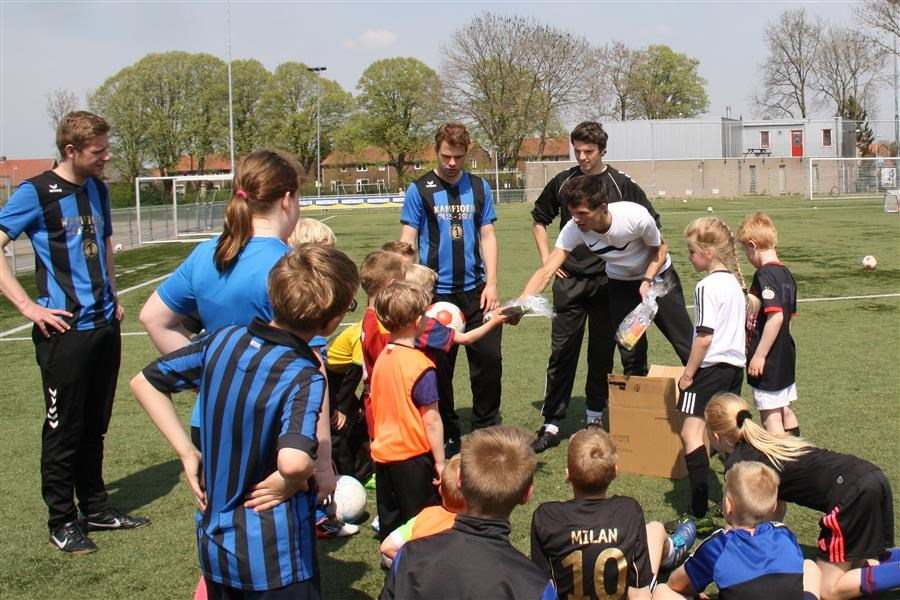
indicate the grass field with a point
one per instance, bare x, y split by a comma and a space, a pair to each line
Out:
848, 379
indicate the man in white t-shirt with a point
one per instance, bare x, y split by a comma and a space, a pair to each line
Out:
625, 235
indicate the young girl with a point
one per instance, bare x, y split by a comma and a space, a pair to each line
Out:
716, 362
856, 534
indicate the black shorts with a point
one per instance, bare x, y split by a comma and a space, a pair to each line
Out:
708, 382
861, 525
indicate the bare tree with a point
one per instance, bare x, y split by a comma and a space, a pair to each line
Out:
512, 77
616, 80
788, 76
882, 17
848, 67
60, 102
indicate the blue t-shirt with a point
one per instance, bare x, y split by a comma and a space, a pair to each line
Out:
68, 226
232, 297
761, 565
449, 218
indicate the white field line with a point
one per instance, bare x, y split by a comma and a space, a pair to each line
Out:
3, 335
121, 292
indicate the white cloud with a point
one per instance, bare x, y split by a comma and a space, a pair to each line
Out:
372, 39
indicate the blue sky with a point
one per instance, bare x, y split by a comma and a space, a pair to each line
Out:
77, 45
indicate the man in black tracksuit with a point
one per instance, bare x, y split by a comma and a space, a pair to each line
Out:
580, 291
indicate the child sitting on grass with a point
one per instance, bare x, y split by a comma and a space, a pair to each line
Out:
595, 545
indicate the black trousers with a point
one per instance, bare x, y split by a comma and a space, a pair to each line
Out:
485, 364
302, 590
79, 371
402, 490
577, 300
672, 319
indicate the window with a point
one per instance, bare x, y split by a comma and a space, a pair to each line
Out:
752, 179
334, 186
343, 169
417, 166
763, 139
826, 138
361, 185
382, 167
474, 164
362, 168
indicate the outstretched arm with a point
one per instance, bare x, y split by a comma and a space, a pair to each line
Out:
541, 278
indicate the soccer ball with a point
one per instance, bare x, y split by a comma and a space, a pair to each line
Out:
117, 248
709, 209
869, 262
349, 499
448, 315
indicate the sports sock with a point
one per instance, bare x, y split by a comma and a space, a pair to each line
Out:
669, 557
698, 474
892, 555
794, 431
879, 578
593, 415
551, 428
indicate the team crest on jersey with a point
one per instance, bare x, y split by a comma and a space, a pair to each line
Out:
90, 249
768, 294
456, 232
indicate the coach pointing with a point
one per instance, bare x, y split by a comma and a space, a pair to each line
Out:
449, 214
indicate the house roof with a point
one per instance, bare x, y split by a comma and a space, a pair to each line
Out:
558, 146
189, 164
20, 169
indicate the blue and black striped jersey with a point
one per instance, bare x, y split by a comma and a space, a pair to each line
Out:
449, 219
260, 392
68, 225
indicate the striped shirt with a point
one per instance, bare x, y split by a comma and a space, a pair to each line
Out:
68, 226
260, 392
449, 218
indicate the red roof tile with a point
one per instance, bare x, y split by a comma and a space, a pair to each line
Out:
20, 169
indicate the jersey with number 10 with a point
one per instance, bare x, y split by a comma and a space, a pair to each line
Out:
592, 548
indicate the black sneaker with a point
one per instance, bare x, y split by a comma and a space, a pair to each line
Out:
544, 440
114, 519
70, 537
451, 448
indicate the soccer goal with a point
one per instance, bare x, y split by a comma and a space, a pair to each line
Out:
852, 177
194, 205
892, 201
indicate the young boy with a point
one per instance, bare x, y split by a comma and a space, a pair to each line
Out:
407, 435
432, 519
474, 559
260, 395
752, 558
576, 540
772, 357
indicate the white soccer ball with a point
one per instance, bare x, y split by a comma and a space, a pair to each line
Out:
869, 262
117, 248
448, 315
709, 209
349, 499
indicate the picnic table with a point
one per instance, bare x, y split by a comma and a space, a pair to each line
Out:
757, 152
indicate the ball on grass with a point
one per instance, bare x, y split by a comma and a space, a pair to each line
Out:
349, 499
869, 262
709, 209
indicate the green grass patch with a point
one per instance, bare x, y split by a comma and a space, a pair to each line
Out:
848, 381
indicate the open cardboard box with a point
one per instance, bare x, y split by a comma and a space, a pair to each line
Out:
645, 424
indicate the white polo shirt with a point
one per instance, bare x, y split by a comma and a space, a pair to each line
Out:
626, 247
721, 310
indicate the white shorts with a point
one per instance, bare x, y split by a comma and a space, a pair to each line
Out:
766, 400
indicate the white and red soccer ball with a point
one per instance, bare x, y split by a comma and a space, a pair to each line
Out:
869, 262
448, 315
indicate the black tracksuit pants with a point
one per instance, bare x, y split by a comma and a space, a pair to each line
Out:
79, 371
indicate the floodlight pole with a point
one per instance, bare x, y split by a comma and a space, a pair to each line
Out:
318, 72
497, 172
230, 92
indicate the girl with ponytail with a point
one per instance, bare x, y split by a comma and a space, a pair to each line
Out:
856, 534
716, 362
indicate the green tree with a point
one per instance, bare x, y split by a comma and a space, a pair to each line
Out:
669, 85
206, 127
290, 111
399, 102
854, 111
248, 79
118, 101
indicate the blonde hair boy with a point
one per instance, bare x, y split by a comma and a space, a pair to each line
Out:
497, 471
311, 231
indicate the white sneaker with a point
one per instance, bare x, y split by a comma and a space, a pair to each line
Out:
375, 525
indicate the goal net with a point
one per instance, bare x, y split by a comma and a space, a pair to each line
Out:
170, 209
852, 177
892, 201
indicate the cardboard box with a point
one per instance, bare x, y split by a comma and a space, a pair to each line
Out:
645, 424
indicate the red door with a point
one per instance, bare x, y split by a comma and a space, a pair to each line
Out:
797, 142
